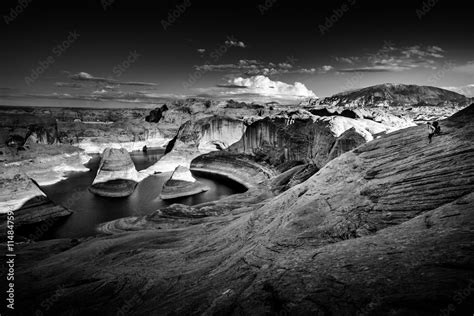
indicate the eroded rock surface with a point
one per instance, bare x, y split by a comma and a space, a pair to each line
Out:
181, 184
385, 229
116, 176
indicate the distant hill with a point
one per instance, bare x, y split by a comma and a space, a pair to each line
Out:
389, 95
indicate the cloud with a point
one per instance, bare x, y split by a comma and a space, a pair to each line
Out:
252, 67
326, 68
69, 85
231, 86
467, 68
391, 58
84, 76
260, 86
348, 60
235, 43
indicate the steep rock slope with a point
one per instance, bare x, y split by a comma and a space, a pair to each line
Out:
385, 229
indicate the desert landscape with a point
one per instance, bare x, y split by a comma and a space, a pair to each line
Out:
270, 158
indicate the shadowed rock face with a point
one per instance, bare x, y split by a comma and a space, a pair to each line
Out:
181, 184
156, 114
280, 140
386, 229
33, 129
117, 176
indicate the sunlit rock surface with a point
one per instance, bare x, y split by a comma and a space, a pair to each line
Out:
116, 176
236, 167
387, 228
181, 184
199, 137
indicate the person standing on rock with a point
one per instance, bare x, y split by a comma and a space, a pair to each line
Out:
434, 129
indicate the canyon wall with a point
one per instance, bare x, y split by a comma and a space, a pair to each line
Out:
308, 139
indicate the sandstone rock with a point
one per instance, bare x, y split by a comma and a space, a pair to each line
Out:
181, 184
236, 167
304, 138
349, 140
16, 190
117, 176
199, 137
393, 217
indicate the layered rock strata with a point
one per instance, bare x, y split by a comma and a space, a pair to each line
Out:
116, 176
181, 184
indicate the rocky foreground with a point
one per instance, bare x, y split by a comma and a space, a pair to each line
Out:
387, 228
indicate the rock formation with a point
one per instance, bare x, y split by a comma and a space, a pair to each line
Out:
237, 167
181, 184
196, 138
156, 115
117, 176
396, 95
350, 139
385, 229
309, 139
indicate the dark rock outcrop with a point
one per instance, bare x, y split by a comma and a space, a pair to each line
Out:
156, 114
117, 176
21, 130
181, 184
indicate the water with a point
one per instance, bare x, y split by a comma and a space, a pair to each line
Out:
91, 210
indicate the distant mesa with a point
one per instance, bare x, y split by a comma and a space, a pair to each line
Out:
388, 94
117, 176
182, 184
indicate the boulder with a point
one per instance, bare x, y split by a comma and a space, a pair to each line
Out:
117, 176
181, 184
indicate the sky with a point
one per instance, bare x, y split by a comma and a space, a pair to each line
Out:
110, 52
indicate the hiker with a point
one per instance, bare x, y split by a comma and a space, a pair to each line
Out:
434, 129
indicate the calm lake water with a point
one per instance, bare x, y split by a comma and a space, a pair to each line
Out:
91, 210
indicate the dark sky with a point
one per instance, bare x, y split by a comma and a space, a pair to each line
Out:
131, 49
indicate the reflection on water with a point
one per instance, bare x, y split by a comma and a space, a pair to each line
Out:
90, 210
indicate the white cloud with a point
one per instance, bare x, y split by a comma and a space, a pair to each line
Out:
467, 68
233, 43
326, 68
264, 86
391, 58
